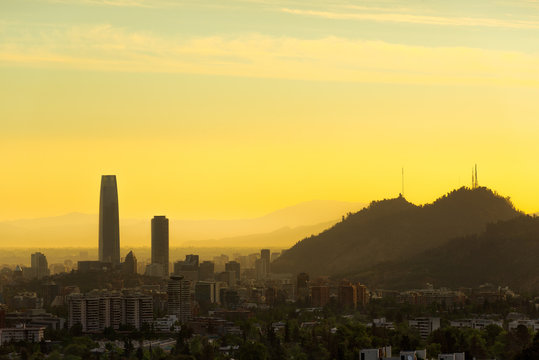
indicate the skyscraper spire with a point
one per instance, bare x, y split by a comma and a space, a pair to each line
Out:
109, 221
476, 182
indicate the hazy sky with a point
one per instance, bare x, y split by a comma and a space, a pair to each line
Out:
235, 108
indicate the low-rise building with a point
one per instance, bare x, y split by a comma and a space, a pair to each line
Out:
413, 355
375, 354
475, 323
530, 324
22, 333
35, 318
167, 324
454, 356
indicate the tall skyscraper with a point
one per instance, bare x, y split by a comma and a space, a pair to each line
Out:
265, 256
235, 267
40, 266
109, 221
160, 241
206, 271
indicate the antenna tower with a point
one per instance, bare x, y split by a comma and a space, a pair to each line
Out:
402, 182
476, 184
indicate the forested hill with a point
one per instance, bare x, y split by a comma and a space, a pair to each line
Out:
505, 254
395, 229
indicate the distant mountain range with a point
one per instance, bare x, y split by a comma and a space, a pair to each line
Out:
404, 235
279, 229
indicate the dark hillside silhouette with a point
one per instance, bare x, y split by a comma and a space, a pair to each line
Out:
505, 254
395, 229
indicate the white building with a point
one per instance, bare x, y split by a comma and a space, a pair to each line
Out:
166, 323
98, 310
22, 333
455, 356
375, 354
530, 324
479, 324
425, 325
413, 355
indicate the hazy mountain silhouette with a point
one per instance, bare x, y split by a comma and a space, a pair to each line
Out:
395, 229
279, 239
505, 254
78, 229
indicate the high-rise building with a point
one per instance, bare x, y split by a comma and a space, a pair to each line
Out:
234, 266
265, 256
137, 309
130, 264
261, 270
206, 292
425, 325
347, 295
160, 242
179, 298
109, 221
189, 264
362, 295
228, 277
206, 271
319, 295
302, 287
40, 266
98, 310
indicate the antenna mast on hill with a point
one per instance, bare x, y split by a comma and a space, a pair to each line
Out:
402, 182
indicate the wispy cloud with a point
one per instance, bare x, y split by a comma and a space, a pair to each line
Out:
114, 3
329, 58
416, 19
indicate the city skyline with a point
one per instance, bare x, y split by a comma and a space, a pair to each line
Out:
269, 179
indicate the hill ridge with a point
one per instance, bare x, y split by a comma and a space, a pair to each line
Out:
391, 228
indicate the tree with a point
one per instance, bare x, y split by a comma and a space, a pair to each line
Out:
532, 352
140, 353
252, 350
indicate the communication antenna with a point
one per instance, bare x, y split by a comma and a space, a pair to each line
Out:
402, 182
476, 182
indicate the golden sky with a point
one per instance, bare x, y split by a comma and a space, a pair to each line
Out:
214, 109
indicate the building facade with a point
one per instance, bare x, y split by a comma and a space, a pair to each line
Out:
39, 265
160, 242
97, 310
109, 221
179, 298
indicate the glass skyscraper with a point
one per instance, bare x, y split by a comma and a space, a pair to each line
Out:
160, 242
109, 221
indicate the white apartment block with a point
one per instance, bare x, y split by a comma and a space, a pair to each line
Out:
530, 324
375, 354
455, 356
425, 325
479, 324
22, 333
98, 310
